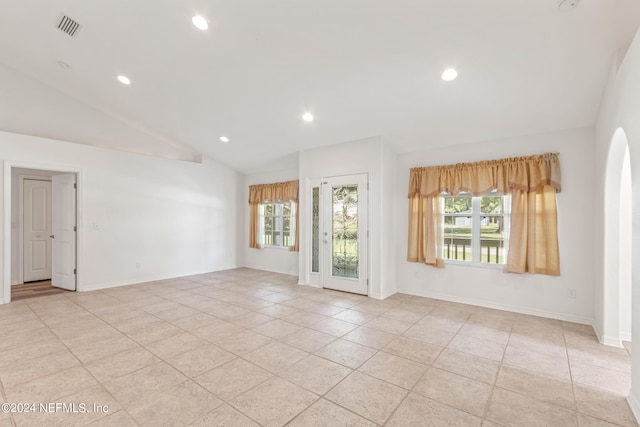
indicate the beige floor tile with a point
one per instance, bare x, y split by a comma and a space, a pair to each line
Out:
116, 419
276, 356
27, 370
508, 408
393, 369
370, 337
372, 307
51, 387
354, 316
225, 416
132, 387
467, 365
369, 397
174, 345
274, 402
603, 359
199, 360
250, 320
418, 351
538, 345
232, 379
392, 326
418, 411
277, 329
178, 405
454, 390
346, 353
121, 364
95, 351
19, 339
308, 339
21, 327
541, 387
589, 421
31, 351
143, 321
477, 347
213, 333
610, 380
403, 315
324, 413
84, 407
605, 406
548, 365
277, 310
483, 332
195, 321
176, 313
334, 327
316, 374
244, 342
303, 318
432, 336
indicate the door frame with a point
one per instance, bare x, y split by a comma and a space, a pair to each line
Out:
5, 267
21, 179
317, 279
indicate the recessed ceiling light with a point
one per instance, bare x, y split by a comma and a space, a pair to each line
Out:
124, 80
200, 22
307, 117
224, 139
449, 74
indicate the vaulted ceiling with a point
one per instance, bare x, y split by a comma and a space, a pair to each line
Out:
362, 67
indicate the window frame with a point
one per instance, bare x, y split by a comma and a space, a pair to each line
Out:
476, 231
280, 219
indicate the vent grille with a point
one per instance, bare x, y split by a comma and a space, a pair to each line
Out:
68, 26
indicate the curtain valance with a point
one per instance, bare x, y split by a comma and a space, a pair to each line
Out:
528, 174
276, 192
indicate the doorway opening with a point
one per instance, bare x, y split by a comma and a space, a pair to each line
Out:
42, 255
339, 233
617, 244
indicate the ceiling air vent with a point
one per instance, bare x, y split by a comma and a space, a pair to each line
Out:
68, 25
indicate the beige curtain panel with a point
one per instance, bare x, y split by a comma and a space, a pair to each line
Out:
531, 181
271, 193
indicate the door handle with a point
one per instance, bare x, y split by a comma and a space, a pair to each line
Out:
52, 236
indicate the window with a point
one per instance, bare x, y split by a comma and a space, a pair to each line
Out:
278, 224
475, 229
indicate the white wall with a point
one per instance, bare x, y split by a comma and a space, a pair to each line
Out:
270, 259
374, 157
490, 287
626, 225
620, 109
173, 217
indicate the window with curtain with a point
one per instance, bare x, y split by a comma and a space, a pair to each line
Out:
458, 199
273, 215
475, 229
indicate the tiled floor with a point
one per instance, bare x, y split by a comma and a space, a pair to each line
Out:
247, 348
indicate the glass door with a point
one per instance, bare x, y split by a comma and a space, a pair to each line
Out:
344, 233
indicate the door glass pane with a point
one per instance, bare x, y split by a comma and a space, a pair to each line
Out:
344, 226
315, 231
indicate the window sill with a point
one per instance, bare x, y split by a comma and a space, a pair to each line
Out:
280, 248
474, 264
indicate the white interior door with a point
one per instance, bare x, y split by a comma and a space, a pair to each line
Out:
344, 233
64, 231
36, 230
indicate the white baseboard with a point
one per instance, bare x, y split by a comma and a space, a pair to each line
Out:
625, 336
634, 405
505, 307
154, 278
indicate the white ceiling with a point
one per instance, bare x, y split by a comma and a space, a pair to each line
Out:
363, 67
